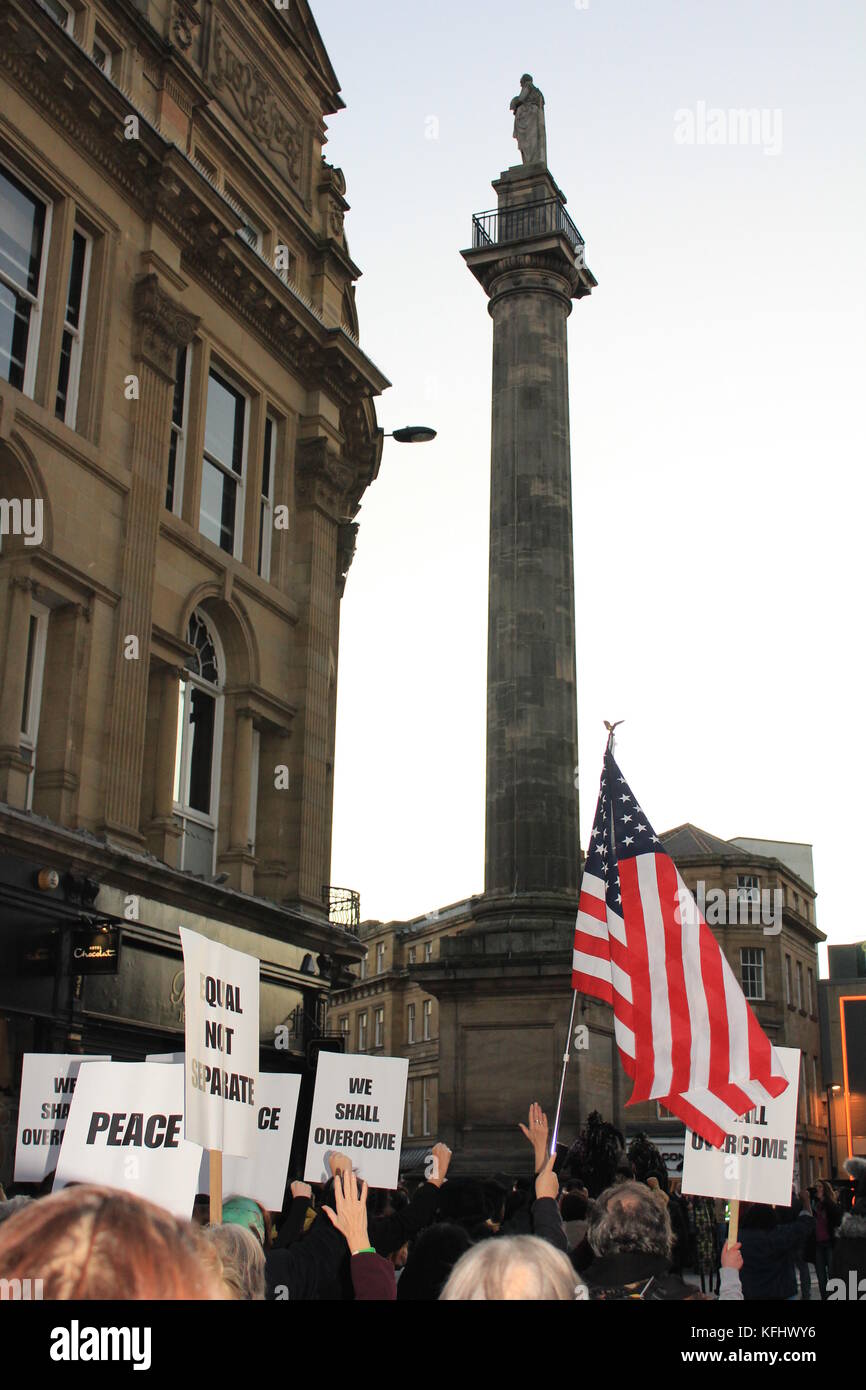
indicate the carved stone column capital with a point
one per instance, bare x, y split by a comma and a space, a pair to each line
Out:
163, 325
322, 478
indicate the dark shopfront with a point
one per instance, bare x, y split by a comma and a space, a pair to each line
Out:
78, 975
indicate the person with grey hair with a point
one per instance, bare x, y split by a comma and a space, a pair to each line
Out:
242, 1259
513, 1268
9, 1206
630, 1234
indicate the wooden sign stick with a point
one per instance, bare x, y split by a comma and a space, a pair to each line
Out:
216, 1186
734, 1223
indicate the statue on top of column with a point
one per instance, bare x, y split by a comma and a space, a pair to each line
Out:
529, 132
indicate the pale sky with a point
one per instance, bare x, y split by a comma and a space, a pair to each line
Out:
716, 421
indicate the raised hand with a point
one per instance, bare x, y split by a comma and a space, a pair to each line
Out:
441, 1158
350, 1218
536, 1133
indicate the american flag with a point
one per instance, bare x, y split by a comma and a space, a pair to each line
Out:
685, 1033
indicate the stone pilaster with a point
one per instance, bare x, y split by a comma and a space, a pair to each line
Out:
162, 327
323, 483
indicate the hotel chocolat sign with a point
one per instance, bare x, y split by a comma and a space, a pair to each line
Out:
95, 951
266, 118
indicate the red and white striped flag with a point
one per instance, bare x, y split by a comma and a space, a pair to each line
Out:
685, 1033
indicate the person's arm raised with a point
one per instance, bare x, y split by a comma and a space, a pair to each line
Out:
536, 1131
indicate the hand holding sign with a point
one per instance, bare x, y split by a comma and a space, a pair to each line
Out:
350, 1217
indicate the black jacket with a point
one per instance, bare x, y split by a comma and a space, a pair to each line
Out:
635, 1275
849, 1251
304, 1269
769, 1258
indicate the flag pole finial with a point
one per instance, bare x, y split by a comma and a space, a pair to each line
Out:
610, 730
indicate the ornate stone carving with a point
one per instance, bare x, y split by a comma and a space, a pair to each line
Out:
268, 120
163, 325
347, 536
322, 478
184, 22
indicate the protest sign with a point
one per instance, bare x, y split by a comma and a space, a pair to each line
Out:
756, 1162
222, 1045
173, 1057
263, 1176
47, 1087
358, 1111
125, 1129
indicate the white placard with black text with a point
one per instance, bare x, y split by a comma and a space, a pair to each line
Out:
47, 1087
263, 1177
756, 1162
125, 1129
358, 1111
221, 998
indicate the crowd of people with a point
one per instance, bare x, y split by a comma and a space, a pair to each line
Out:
451, 1239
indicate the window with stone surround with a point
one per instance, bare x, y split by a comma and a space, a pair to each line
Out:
427, 1014
379, 1028
426, 1104
362, 1031
25, 224
266, 500
410, 1109
31, 704
224, 468
752, 971
69, 371
177, 442
198, 747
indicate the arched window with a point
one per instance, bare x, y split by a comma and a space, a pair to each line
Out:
199, 741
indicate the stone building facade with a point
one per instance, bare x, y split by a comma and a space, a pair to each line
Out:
187, 413
775, 959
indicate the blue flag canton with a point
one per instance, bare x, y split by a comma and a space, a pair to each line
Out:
620, 831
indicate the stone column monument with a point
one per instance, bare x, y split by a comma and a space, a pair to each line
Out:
503, 984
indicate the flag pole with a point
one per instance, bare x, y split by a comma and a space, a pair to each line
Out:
566, 1056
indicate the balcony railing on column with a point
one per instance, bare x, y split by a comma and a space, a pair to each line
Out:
500, 226
344, 907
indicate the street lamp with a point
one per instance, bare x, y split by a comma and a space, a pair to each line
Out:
413, 434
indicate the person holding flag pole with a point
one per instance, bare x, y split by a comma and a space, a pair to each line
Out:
684, 1031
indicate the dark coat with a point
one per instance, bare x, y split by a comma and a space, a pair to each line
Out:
373, 1278
770, 1256
306, 1267
635, 1275
849, 1250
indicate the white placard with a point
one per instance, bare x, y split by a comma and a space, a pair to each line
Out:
264, 1176
47, 1087
756, 1162
125, 1129
358, 1111
221, 998
171, 1057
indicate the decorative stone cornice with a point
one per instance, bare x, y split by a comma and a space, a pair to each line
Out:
536, 270
347, 535
280, 136
163, 325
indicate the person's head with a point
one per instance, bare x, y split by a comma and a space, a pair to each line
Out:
432, 1256
97, 1243
856, 1170
757, 1216
494, 1201
11, 1205
513, 1268
627, 1217
574, 1206
246, 1213
462, 1200
242, 1259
